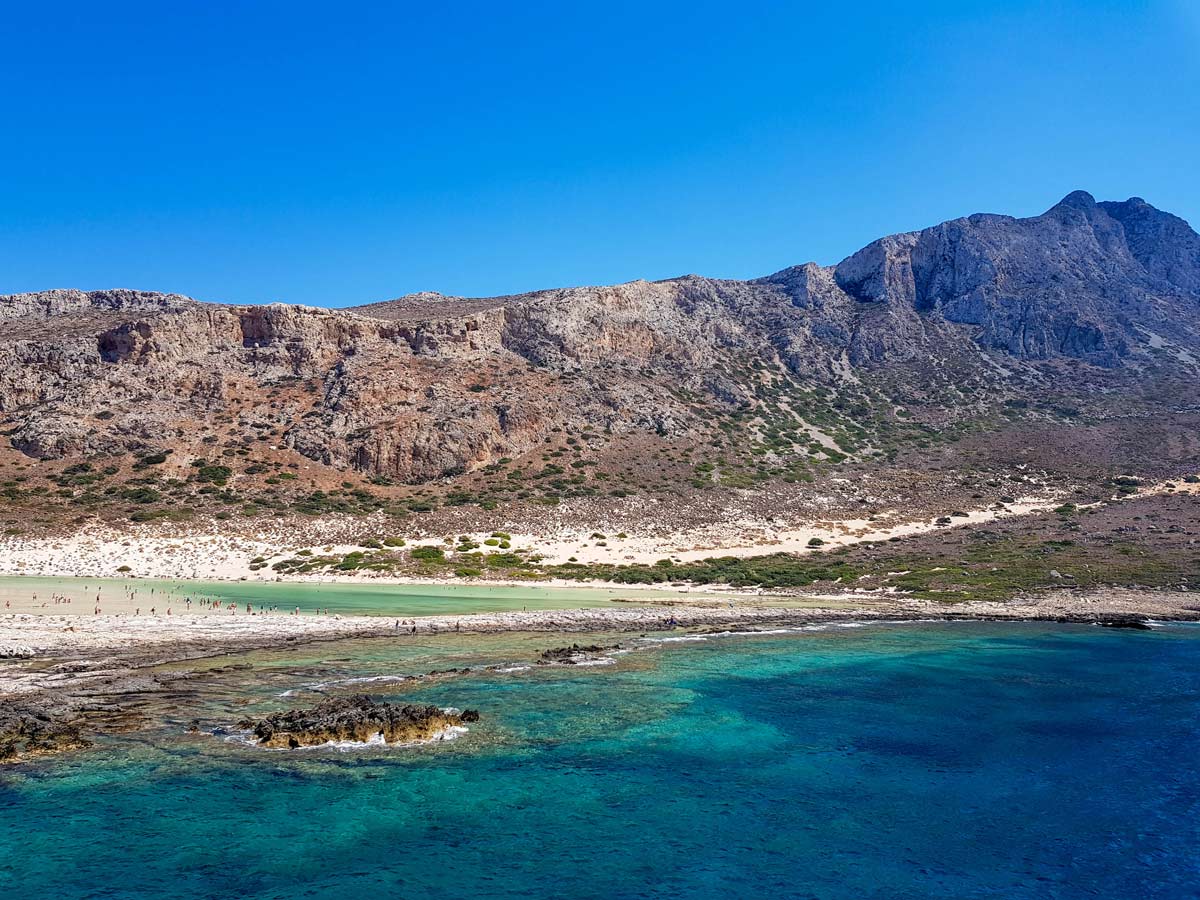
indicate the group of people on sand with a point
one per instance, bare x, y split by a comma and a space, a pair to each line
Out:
212, 605
55, 599
168, 597
409, 626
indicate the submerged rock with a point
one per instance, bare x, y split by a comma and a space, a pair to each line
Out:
1135, 624
357, 718
28, 729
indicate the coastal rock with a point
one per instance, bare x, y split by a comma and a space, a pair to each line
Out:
573, 655
357, 718
28, 729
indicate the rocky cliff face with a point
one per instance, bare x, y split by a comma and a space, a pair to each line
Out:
429, 386
1084, 280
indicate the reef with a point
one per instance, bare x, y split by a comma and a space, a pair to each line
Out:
29, 729
358, 718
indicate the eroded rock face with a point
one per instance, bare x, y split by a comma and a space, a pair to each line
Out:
426, 386
357, 718
1081, 280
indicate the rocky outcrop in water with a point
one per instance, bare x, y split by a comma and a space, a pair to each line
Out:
574, 655
357, 718
29, 729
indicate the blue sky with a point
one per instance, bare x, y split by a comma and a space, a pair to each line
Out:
337, 154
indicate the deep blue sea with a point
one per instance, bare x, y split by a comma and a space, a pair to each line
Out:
968, 760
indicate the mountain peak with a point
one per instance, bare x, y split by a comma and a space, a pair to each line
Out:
1076, 200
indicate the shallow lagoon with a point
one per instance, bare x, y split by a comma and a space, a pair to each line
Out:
28, 594
921, 760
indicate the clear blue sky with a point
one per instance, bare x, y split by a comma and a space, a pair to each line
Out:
333, 154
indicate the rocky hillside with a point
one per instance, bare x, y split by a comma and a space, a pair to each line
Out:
773, 377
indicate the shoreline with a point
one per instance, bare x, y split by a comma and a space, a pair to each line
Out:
371, 581
81, 674
32, 645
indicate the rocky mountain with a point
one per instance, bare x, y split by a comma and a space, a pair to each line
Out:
1083, 280
810, 365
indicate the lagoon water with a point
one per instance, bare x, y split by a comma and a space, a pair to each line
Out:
30, 594
965, 760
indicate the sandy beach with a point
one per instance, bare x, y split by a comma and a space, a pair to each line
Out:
209, 552
197, 553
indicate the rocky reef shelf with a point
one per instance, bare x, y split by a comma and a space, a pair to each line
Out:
357, 719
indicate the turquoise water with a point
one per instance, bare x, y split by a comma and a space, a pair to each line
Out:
351, 599
960, 761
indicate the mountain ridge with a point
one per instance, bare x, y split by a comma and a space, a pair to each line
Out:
782, 377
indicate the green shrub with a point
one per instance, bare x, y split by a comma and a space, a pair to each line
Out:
214, 474
141, 495
351, 560
428, 553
